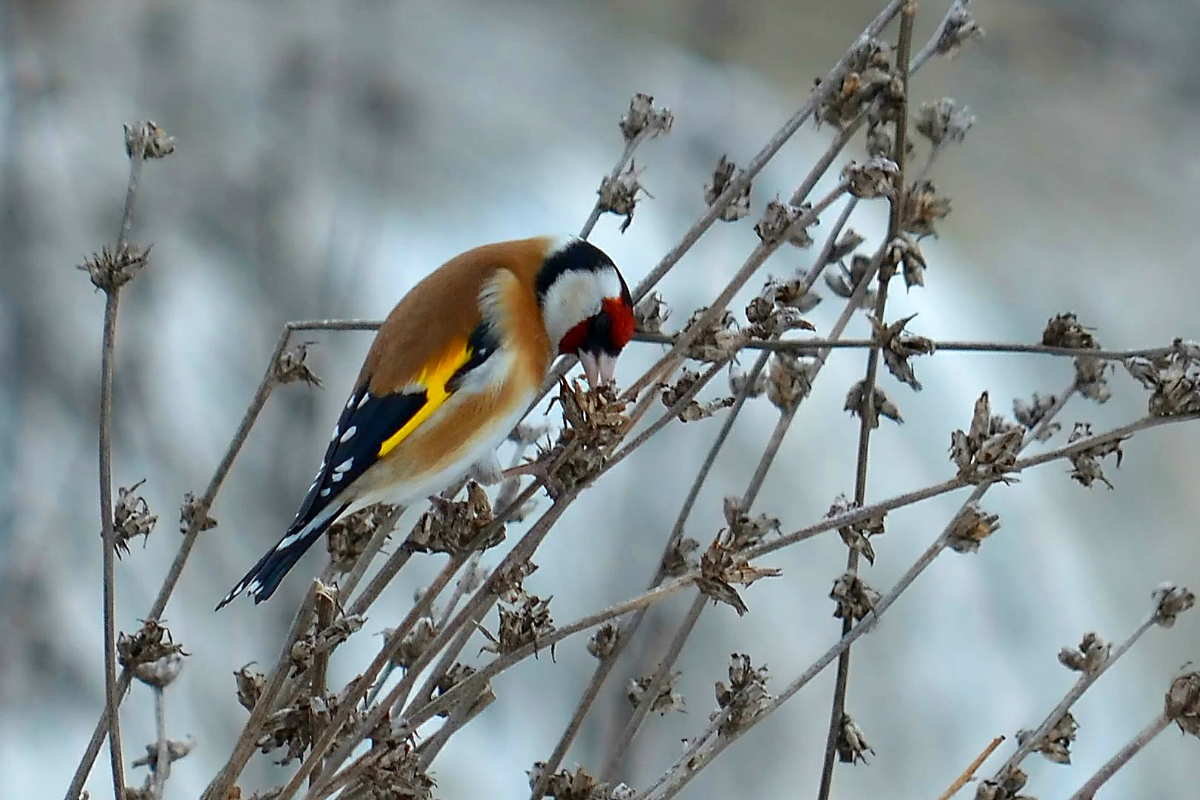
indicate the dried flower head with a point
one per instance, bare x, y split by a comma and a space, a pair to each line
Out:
1086, 463
161, 672
858, 404
745, 530
739, 205
721, 566
619, 195
856, 534
1055, 746
744, 697
870, 76
520, 624
718, 341
643, 116
602, 643
1170, 601
970, 528
348, 537
789, 380
898, 347
679, 559
295, 726
1005, 786
594, 422
577, 785
393, 771
1089, 656
852, 745
176, 749
875, 178
853, 598
794, 293
692, 410
1174, 380
650, 314
109, 270
192, 512
1183, 703
147, 140
250, 686
322, 640
989, 449
960, 27
1032, 413
292, 366
943, 121
131, 517
509, 583
151, 643
1091, 374
923, 208
844, 281
903, 251
664, 702
454, 526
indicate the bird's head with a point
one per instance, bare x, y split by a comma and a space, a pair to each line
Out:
586, 305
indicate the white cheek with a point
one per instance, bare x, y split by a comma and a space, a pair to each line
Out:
575, 297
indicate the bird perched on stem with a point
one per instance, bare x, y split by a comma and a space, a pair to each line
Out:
453, 368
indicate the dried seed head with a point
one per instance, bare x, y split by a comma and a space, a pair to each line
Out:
602, 643
1174, 379
780, 221
740, 383
678, 560
789, 380
899, 347
744, 697
191, 511
1089, 656
944, 121
1055, 746
250, 686
794, 293
292, 366
869, 76
521, 623
875, 178
643, 116
1032, 413
348, 537
452, 526
960, 27
739, 204
854, 599
1004, 786
923, 208
151, 643
989, 450
176, 750
147, 140
109, 270
858, 404
394, 769
846, 245
664, 702
880, 142
745, 530
161, 672
619, 195
721, 566
1183, 703
719, 341
650, 314
509, 583
577, 785
1170, 601
594, 422
971, 527
852, 745
856, 534
131, 517
1086, 463
903, 251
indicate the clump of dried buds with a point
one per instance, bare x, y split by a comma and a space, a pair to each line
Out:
1091, 374
1170, 601
789, 380
131, 517
853, 598
1183, 703
871, 76
650, 314
845, 280
666, 701
970, 528
875, 178
858, 404
150, 644
454, 526
323, 640
642, 116
292, 366
718, 341
678, 559
721, 566
295, 726
739, 205
856, 534
989, 449
780, 220
147, 140
250, 686
595, 421
744, 697
776, 310
692, 410
191, 512
176, 749
852, 744
898, 347
452, 677
943, 121
161, 672
745, 530
923, 208
109, 270
619, 194
577, 785
521, 623
1031, 414
1005, 786
1174, 379
602, 643
960, 27
1055, 746
1086, 463
1088, 657
393, 770
349, 536
903, 251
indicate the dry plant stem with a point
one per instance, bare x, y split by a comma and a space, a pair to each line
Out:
219, 788
162, 764
681, 774
1084, 683
320, 668
460, 716
868, 419
386, 526
823, 90
1122, 757
968, 773
630, 147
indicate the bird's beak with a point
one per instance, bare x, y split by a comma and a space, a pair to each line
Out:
598, 368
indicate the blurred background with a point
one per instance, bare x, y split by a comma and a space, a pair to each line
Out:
330, 154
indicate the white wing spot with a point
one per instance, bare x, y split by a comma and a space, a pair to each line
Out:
325, 493
288, 541
337, 476
253, 586
349, 434
345, 465
350, 402
366, 396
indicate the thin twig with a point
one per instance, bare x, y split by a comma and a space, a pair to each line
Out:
162, 760
325, 610
1122, 757
971, 769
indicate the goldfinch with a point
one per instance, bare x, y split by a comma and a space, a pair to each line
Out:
453, 368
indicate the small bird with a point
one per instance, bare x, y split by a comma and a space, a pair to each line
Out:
452, 370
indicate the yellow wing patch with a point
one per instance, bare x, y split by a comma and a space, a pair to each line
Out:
434, 377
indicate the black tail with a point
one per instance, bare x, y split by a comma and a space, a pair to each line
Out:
264, 577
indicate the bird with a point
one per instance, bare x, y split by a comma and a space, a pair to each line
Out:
451, 371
